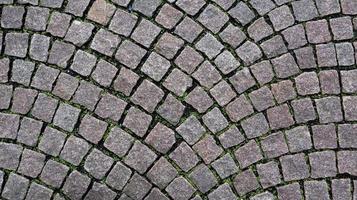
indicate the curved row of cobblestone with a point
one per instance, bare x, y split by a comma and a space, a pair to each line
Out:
178, 99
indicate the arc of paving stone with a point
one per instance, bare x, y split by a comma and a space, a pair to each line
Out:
150, 99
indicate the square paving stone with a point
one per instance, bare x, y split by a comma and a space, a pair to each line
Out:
125, 81
215, 120
101, 12
239, 108
281, 17
291, 191
298, 139
341, 28
263, 72
74, 150
171, 110
231, 137
161, 138
203, 178
156, 194
65, 86
294, 167
226, 62
326, 55
39, 192
155, 66
52, 141
324, 136
45, 77
29, 131
295, 36
329, 109
346, 135
283, 91
162, 173
146, 7
245, 182
317, 31
137, 187
304, 10
39, 47
249, 52
345, 54
255, 126
58, 24
100, 191
76, 185
207, 149
199, 99
15, 187
280, 117
168, 16
349, 84
21, 71
222, 192
36, 18
242, 13
225, 166
31, 163
191, 130
87, 95
274, 145
76, 7
188, 29
209, 45
98, 164
201, 75
10, 155
118, 176
350, 108
5, 96
305, 57
323, 164
110, 107
180, 188
123, 22
262, 7
140, 157
178, 82
316, 190
259, 29
105, 42
347, 161
242, 80
222, 93
248, 154
44, 107
190, 7
118, 141
233, 35
274, 47
92, 129
79, 32
148, 95
12, 16
104, 73
168, 45
83, 63
348, 7
341, 189
269, 174
285, 66
66, 117
16, 44
145, 33
303, 110
262, 98
327, 7
213, 18
188, 59
137, 121
184, 157
60, 53
23, 99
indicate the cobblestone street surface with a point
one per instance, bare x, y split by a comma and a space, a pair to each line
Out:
178, 99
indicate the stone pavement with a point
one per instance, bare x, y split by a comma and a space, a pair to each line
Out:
178, 99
